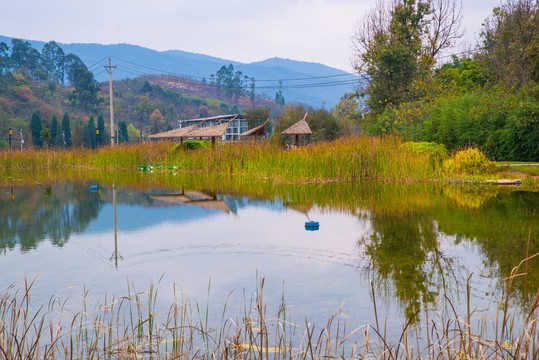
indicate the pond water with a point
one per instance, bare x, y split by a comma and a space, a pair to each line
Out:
413, 242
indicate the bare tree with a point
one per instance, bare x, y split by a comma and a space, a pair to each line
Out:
445, 25
397, 42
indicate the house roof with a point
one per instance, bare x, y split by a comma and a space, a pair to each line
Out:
216, 130
260, 130
176, 133
224, 117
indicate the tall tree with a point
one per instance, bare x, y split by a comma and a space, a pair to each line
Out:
45, 134
35, 129
66, 130
157, 121
89, 134
53, 59
123, 134
20, 51
510, 51
396, 46
54, 130
103, 135
72, 63
5, 59
86, 89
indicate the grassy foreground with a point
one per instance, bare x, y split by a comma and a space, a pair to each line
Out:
130, 327
343, 159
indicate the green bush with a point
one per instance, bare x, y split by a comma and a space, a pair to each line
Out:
193, 145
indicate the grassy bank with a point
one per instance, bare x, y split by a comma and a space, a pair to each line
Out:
343, 159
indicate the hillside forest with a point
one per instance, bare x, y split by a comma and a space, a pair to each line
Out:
412, 87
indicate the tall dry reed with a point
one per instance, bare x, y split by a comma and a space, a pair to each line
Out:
343, 159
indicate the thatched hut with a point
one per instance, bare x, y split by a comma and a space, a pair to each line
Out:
214, 131
257, 131
299, 128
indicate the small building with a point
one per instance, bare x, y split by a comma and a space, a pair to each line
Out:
238, 126
299, 128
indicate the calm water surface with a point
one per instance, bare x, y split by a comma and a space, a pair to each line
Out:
413, 241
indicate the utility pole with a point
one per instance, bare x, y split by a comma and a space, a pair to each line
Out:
110, 69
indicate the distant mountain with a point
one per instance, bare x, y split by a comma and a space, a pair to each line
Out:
303, 82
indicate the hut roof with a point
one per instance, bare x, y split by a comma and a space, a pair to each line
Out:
176, 133
260, 130
299, 128
216, 130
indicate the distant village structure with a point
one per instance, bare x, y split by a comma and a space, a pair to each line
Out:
223, 127
233, 131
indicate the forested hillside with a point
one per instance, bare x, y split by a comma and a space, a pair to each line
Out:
39, 90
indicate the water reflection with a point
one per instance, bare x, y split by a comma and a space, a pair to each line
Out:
33, 215
404, 241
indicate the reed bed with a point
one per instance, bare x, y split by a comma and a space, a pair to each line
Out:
343, 159
132, 327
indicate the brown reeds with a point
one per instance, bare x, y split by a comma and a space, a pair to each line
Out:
130, 327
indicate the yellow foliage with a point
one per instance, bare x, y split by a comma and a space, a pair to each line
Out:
469, 161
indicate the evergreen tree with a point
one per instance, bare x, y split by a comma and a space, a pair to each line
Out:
123, 135
35, 129
103, 135
45, 134
59, 141
54, 130
66, 129
89, 134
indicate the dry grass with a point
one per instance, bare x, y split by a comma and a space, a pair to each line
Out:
131, 327
343, 159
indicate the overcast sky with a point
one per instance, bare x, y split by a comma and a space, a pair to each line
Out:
240, 30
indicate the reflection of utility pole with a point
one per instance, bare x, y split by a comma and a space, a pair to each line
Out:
115, 228
110, 69
22, 141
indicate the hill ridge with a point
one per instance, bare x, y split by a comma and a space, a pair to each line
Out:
136, 60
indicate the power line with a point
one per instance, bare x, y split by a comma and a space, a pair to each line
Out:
97, 63
297, 86
137, 72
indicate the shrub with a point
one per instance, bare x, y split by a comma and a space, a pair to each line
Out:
193, 145
469, 161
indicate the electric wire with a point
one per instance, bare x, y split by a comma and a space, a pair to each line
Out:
355, 80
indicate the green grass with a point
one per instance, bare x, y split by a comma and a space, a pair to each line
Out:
528, 168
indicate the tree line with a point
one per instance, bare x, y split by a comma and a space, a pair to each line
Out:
51, 66
486, 97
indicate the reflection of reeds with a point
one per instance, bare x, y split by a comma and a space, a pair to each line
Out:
351, 196
343, 159
130, 327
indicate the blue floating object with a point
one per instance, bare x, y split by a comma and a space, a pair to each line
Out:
312, 225
94, 188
